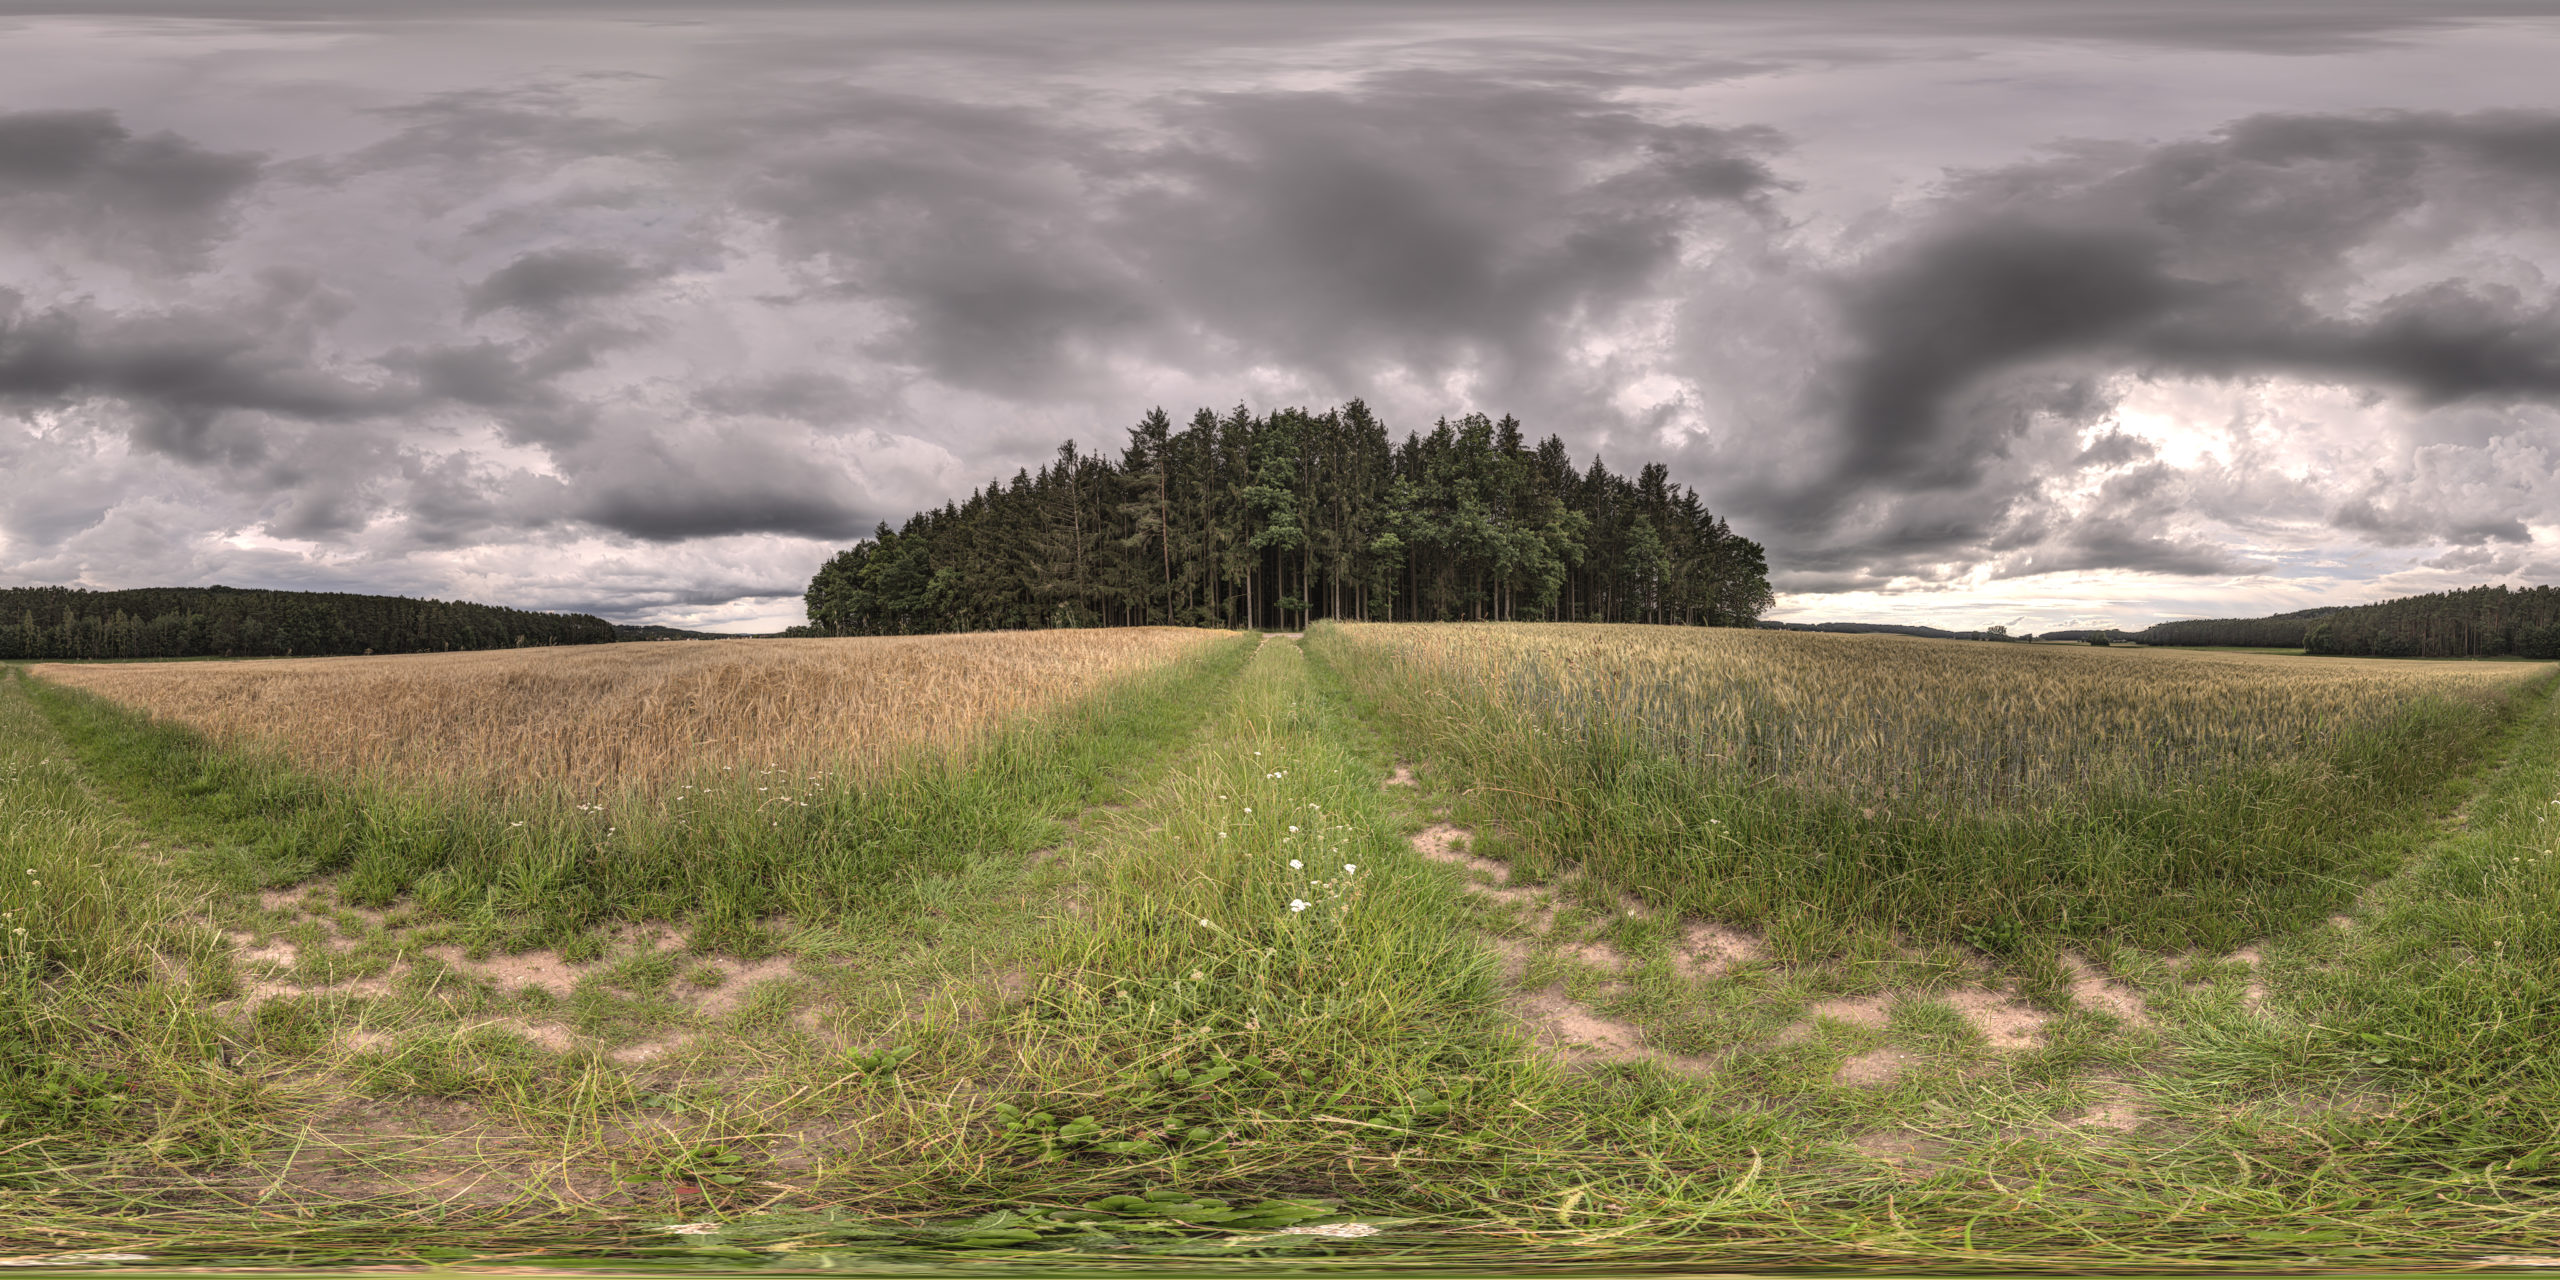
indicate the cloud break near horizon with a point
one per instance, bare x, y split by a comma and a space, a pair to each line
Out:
2044, 315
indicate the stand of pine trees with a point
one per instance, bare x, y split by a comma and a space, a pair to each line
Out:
188, 622
2279, 631
1271, 521
2481, 622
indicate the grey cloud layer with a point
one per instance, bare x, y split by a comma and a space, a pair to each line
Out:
717, 313
2249, 254
159, 200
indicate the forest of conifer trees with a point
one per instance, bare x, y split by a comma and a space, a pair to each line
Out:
187, 622
2479, 622
1240, 520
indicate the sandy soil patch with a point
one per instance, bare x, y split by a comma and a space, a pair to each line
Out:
2003, 1022
651, 1050
2117, 1109
557, 1039
1869, 1012
277, 951
1902, 1150
1402, 777
1873, 1070
1440, 842
2098, 993
1581, 1036
2254, 994
1707, 950
737, 979
542, 969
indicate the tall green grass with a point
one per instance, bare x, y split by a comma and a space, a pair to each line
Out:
1186, 1034
2206, 856
99, 952
732, 849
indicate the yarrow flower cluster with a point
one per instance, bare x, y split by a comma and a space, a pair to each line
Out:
1322, 900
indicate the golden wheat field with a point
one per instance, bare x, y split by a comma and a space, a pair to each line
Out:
609, 717
1892, 715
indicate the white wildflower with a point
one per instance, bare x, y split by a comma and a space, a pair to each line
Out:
1297, 904
1294, 864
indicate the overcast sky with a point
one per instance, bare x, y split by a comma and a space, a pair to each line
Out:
2042, 314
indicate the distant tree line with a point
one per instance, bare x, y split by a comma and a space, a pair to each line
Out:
1244, 520
1885, 629
2279, 631
188, 622
2480, 622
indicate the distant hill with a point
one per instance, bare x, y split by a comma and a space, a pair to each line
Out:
628, 631
2276, 631
190, 622
1871, 628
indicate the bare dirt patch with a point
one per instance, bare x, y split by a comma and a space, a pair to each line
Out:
1599, 955
1440, 842
557, 1039
277, 951
1402, 777
1707, 950
543, 969
1581, 1036
650, 1050
737, 978
2003, 1022
2117, 1109
2255, 993
1901, 1150
1873, 1070
1858, 1011
2096, 992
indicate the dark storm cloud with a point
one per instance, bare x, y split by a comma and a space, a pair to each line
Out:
2222, 257
517, 382
817, 398
181, 372
1982, 298
1431, 221
158, 199
971, 226
2123, 530
549, 283
743, 483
